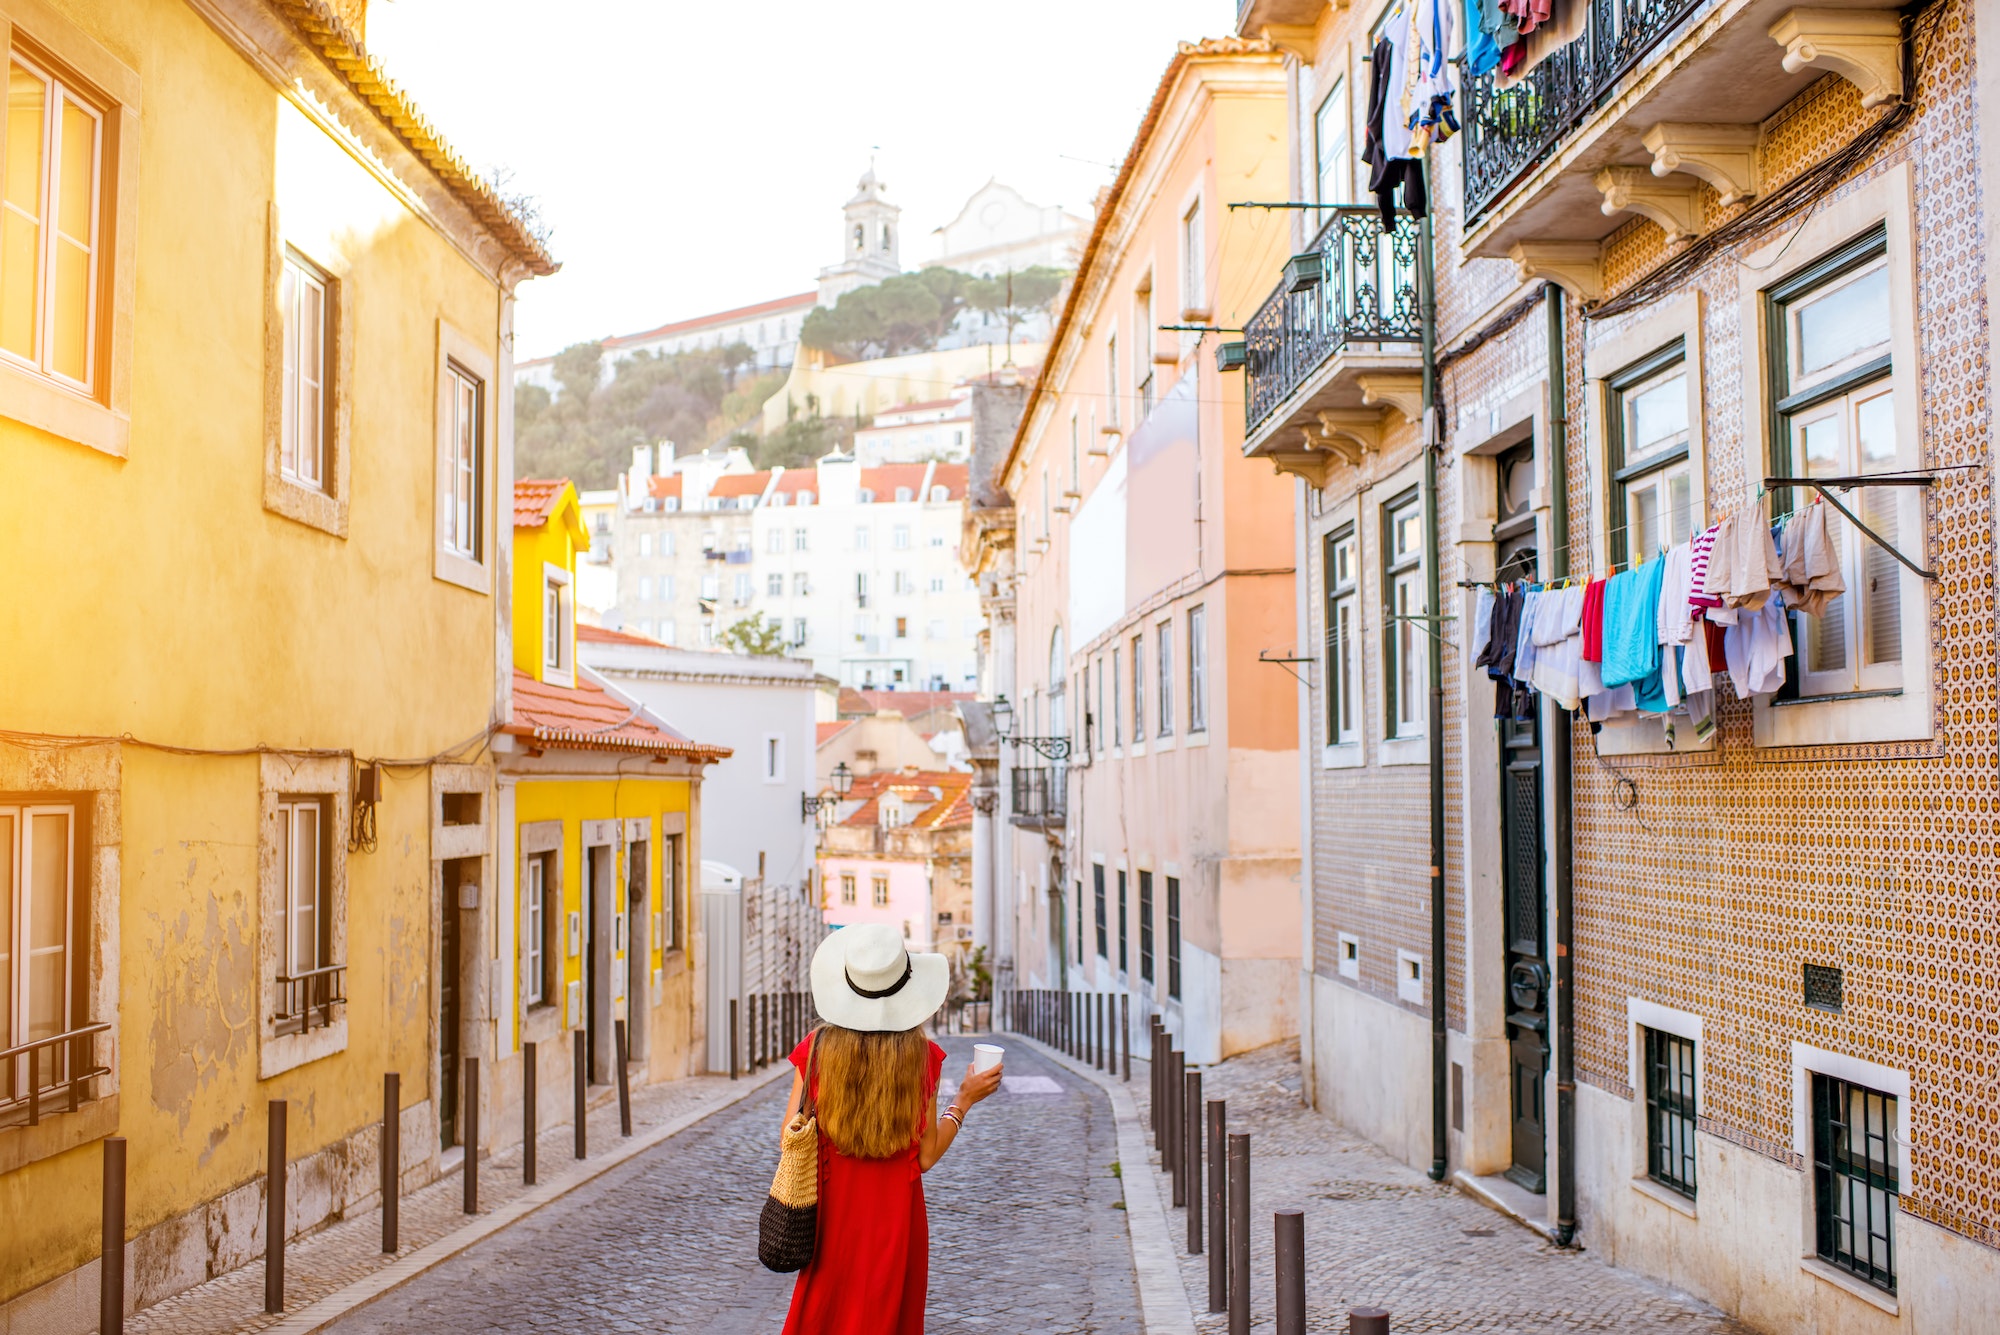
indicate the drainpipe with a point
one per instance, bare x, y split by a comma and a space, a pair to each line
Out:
1562, 850
1434, 602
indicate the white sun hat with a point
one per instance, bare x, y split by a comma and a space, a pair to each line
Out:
864, 978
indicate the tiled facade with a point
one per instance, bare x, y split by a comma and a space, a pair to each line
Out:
1703, 880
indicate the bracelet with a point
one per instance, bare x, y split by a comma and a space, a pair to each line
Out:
953, 1115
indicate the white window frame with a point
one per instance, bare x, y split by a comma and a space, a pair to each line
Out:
534, 929
461, 361
1341, 632
1347, 956
1194, 261
297, 464
1197, 650
773, 756
560, 637
1641, 1015
16, 973
285, 781
61, 95
878, 891
1886, 200
1336, 96
1163, 681
1808, 1061
1406, 662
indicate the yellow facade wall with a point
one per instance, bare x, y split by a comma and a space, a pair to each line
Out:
156, 596
557, 543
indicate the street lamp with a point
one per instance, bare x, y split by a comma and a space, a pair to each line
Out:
1051, 748
843, 782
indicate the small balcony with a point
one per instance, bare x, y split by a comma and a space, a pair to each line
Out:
1336, 346
1041, 797
306, 1000
1655, 104
52, 1074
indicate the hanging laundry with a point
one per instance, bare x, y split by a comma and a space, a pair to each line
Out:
1482, 44
1563, 25
1482, 621
1525, 651
1676, 587
1756, 648
1593, 622
1559, 646
1632, 637
1811, 562
1386, 138
1433, 86
1743, 563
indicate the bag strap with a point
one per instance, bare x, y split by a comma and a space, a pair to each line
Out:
807, 1103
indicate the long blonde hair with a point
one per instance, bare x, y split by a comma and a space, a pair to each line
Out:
871, 1089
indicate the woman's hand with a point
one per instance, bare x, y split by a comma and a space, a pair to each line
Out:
978, 1085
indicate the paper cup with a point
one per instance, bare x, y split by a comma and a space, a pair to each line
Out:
986, 1056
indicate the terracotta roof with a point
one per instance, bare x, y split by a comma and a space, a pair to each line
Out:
852, 703
1183, 53
803, 301
664, 486
828, 731
795, 480
907, 703
535, 499
587, 717
604, 635
925, 406
341, 48
740, 484
946, 795
883, 481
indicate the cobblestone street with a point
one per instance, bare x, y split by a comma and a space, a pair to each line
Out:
1380, 1233
1025, 1226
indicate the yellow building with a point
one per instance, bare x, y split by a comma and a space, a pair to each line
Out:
599, 802
255, 410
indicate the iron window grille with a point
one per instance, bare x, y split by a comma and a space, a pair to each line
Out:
1174, 937
1855, 1179
1097, 886
1146, 926
1670, 1111
1123, 963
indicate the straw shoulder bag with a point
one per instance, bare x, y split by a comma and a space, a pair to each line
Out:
789, 1226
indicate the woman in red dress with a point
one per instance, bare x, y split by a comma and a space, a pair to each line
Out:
874, 1080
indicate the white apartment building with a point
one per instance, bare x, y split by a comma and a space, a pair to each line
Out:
859, 565
680, 537
914, 433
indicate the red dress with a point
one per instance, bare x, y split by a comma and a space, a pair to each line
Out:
871, 1266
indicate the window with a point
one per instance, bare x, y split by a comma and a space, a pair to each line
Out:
847, 888
1194, 256
799, 540
711, 587
904, 495
937, 584
536, 985
1670, 1110
557, 610
306, 404
1343, 693
1146, 926
798, 631
1174, 936
1163, 643
667, 588
1048, 493
774, 585
879, 890
902, 583
1122, 965
1111, 378
902, 628
1075, 453
1330, 147
941, 494
1198, 669
1079, 922
861, 588
49, 218
645, 544
865, 495
464, 462
668, 546
861, 538
1652, 489
1836, 417
1856, 1172
645, 588
805, 498
38, 893
774, 757
801, 584
667, 632
1143, 339
774, 541
899, 537
306, 922
1403, 605
742, 589
1100, 717
1117, 710
1097, 886
740, 540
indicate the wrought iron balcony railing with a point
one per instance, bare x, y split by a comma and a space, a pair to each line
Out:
1041, 796
309, 996
60, 1066
1354, 284
1507, 132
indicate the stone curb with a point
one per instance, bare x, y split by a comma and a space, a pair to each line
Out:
1164, 1305
318, 1316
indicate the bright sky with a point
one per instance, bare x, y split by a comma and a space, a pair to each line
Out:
692, 158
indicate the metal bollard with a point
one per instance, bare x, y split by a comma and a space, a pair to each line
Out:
1125, 1028
1288, 1228
528, 1115
1097, 1044
111, 1260
471, 1124
1367, 1321
391, 1153
734, 1033
1156, 1103
274, 1209
1239, 1234
1191, 1157
580, 1066
1218, 1205
1176, 1137
624, 1081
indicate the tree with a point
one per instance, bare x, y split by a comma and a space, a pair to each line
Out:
1016, 297
759, 635
908, 313
579, 370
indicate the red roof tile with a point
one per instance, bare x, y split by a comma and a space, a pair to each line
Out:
945, 793
803, 301
827, 731
534, 498
925, 406
883, 481
740, 484
907, 703
664, 486
587, 717
605, 635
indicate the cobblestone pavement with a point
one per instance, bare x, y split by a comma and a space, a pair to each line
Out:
1380, 1233
350, 1250
1027, 1227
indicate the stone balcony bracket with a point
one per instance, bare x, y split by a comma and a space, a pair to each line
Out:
1725, 156
1674, 205
1350, 433
1297, 38
1576, 267
1862, 46
1403, 391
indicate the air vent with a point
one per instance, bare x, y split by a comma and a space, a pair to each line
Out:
1823, 987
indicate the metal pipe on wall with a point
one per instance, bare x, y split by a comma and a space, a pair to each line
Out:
1434, 607
1561, 798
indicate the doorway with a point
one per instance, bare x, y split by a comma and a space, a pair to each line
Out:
597, 955
457, 878
638, 937
1524, 912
